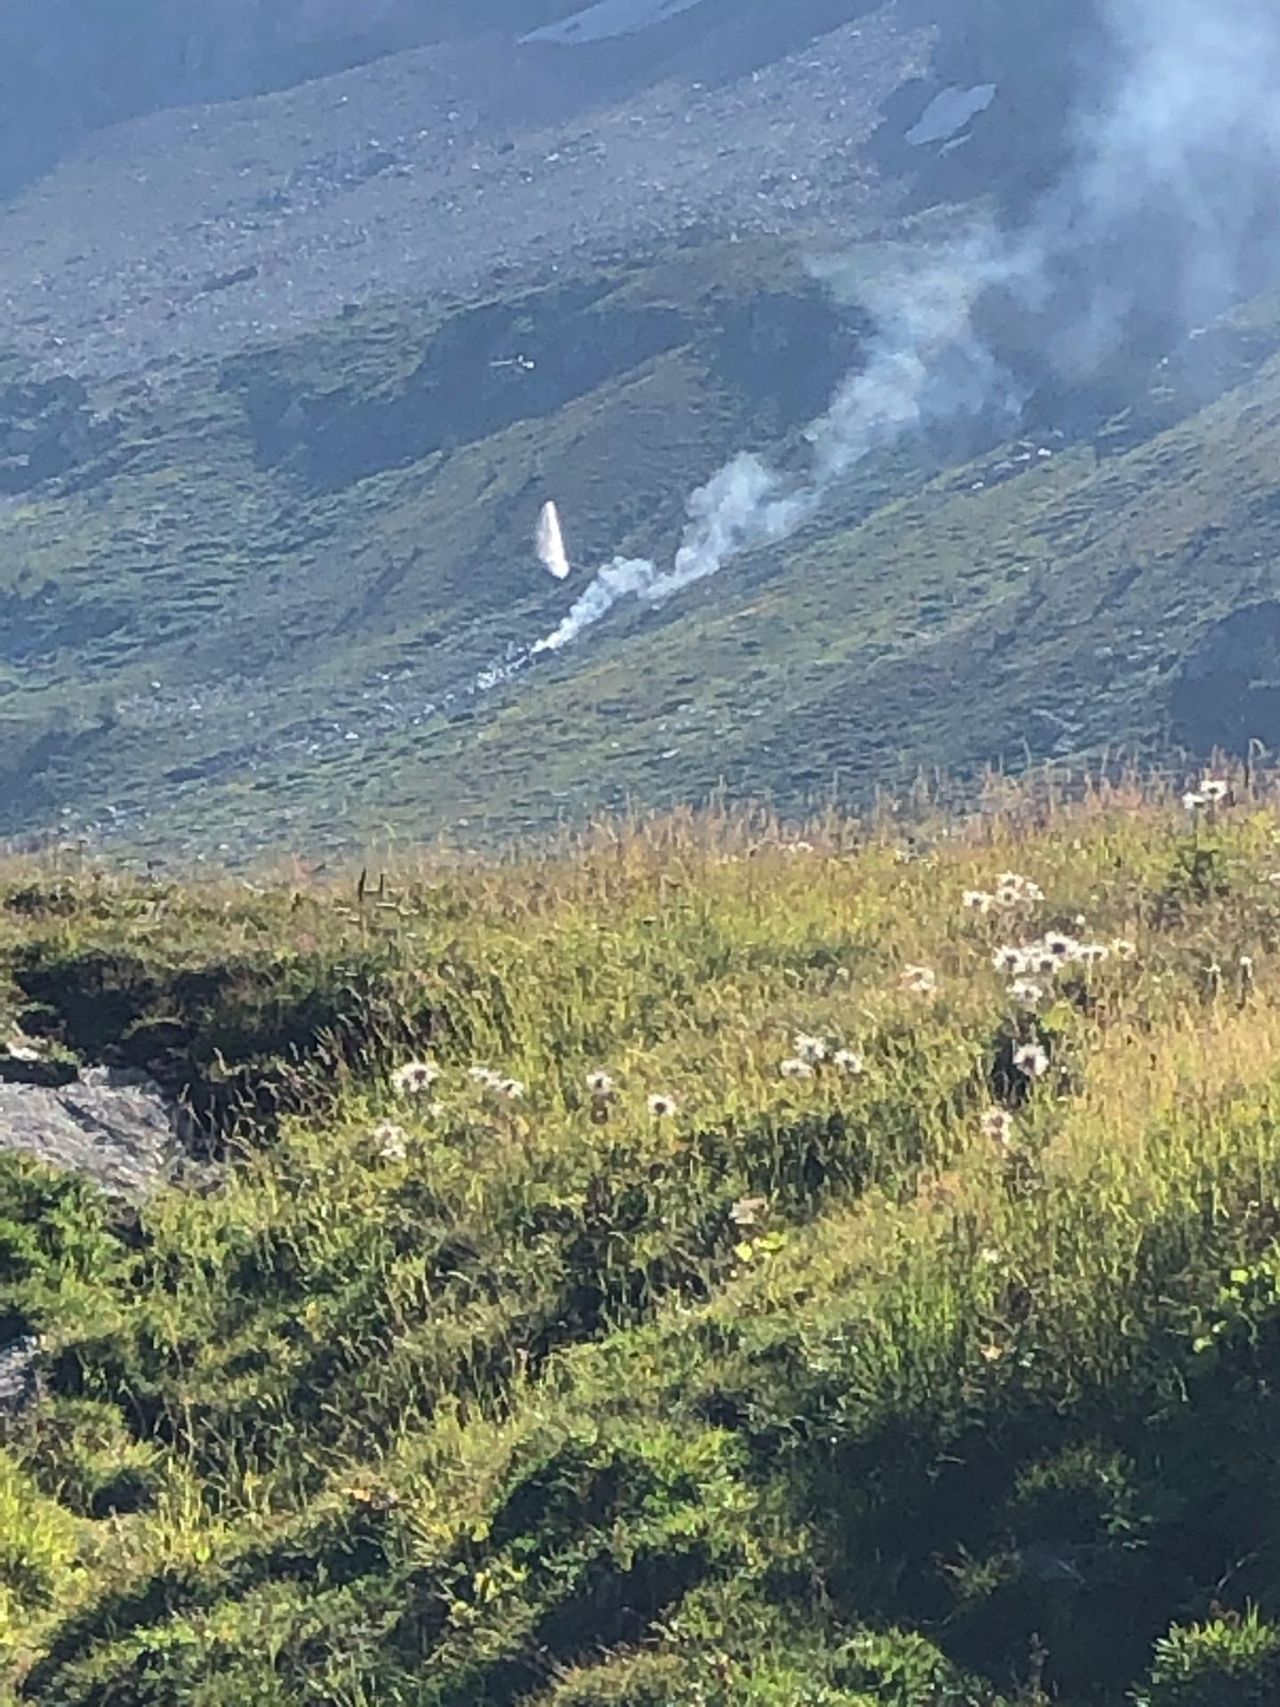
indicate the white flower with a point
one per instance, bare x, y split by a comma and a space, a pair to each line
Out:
977, 901
1123, 949
1012, 962
512, 1089
1193, 802
1031, 1061
661, 1106
600, 1084
1213, 789
1015, 890
1026, 993
997, 1125
392, 1141
920, 980
849, 1061
794, 1068
809, 1048
1060, 946
415, 1078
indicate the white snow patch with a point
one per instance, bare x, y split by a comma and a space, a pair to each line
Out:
609, 18
950, 112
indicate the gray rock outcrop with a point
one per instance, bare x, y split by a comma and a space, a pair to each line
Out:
115, 1128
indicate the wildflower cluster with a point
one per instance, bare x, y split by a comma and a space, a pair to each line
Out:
1050, 954
1012, 891
1031, 968
813, 1053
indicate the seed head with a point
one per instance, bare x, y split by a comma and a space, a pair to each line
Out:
392, 1141
1009, 961
415, 1078
997, 1125
1031, 1061
1015, 890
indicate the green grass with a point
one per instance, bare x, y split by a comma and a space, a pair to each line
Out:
810, 1391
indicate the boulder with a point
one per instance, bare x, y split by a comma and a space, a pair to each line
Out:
115, 1127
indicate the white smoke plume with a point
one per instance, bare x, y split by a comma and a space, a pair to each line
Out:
1171, 204
924, 315
1192, 136
624, 575
550, 543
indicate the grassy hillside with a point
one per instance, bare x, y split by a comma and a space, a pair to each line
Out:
214, 576
875, 1331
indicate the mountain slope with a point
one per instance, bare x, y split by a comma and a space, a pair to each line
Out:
247, 615
287, 392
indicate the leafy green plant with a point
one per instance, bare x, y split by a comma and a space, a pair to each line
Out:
1228, 1662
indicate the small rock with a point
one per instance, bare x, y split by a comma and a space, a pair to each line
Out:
19, 1376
